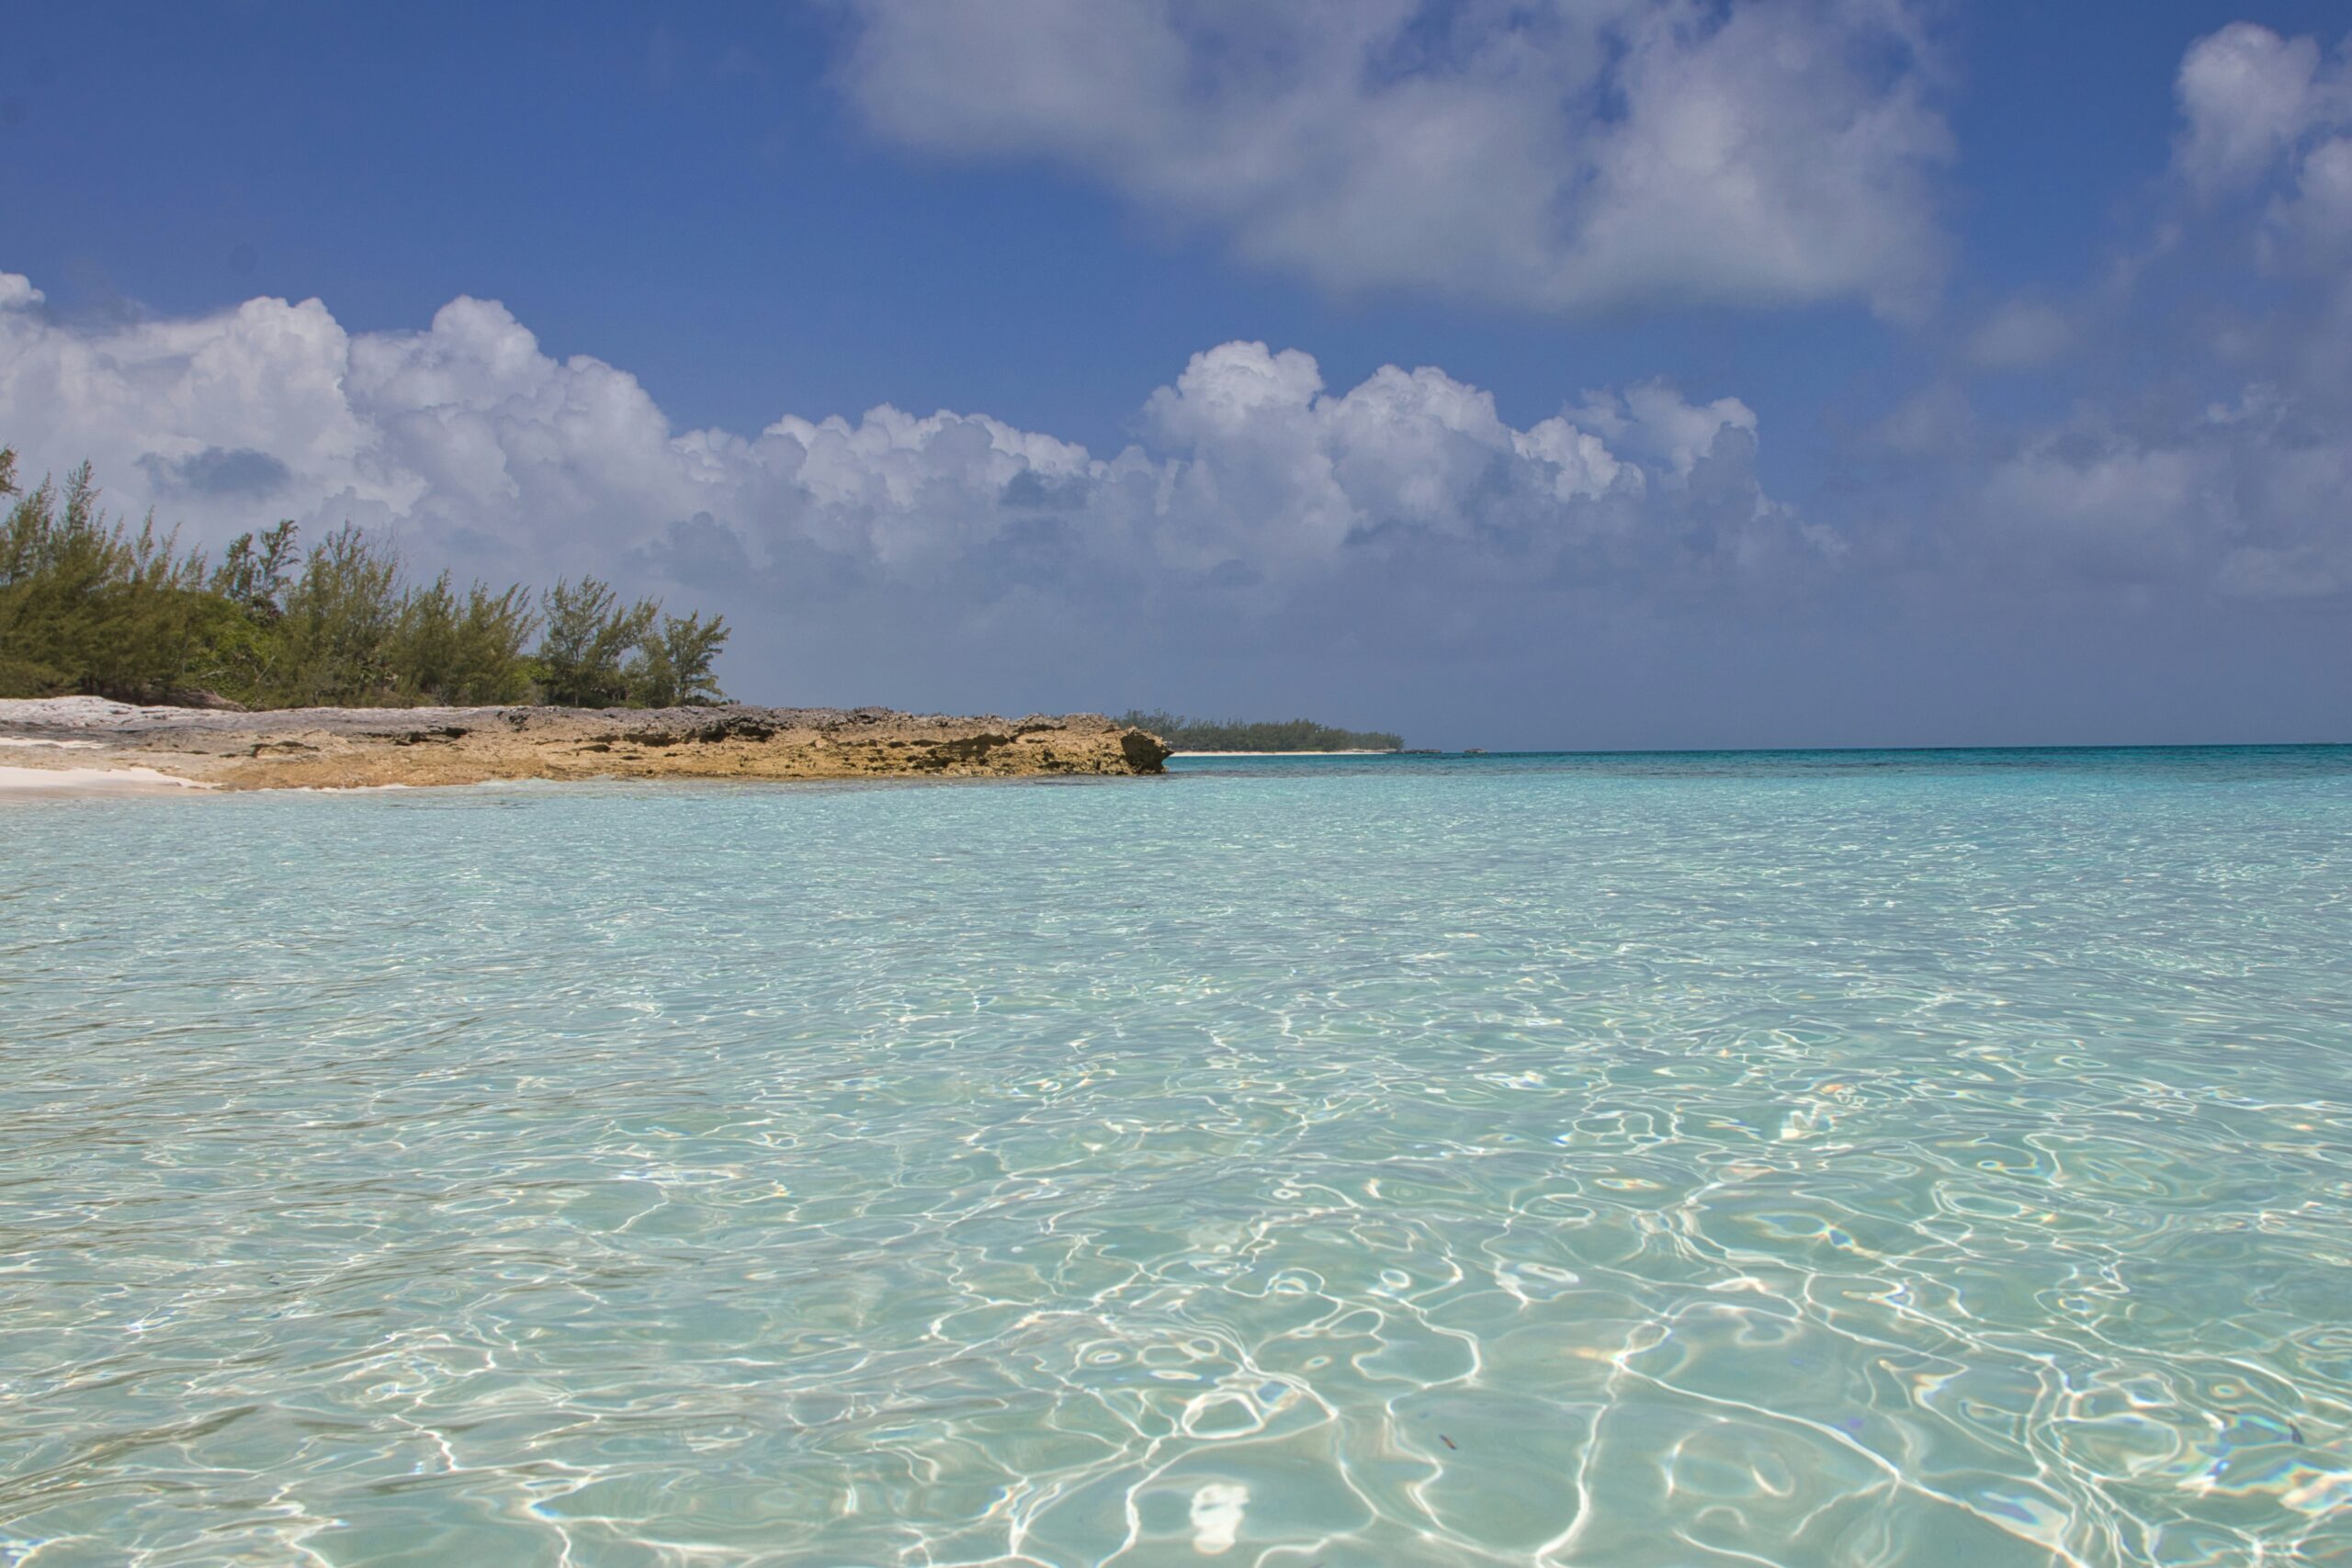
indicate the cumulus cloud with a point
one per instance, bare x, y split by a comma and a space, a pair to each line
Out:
474, 444
464, 433
2249, 98
1551, 156
2271, 117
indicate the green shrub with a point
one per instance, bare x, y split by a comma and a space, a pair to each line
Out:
464, 654
588, 638
673, 664
87, 605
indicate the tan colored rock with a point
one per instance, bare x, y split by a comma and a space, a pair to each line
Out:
347, 747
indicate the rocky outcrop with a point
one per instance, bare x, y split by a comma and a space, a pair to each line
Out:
345, 747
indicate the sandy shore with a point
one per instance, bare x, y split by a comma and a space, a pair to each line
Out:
93, 780
85, 745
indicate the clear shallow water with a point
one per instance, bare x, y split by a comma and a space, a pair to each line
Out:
1918, 1159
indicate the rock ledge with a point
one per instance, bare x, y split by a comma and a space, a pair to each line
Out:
350, 748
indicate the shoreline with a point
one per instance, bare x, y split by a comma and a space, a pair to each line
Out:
62, 782
88, 746
1360, 753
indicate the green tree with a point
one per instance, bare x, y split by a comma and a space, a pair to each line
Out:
254, 570
491, 665
588, 636
672, 666
158, 618
89, 604
463, 653
342, 625
86, 605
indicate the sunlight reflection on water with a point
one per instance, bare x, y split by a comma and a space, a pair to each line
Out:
1638, 1161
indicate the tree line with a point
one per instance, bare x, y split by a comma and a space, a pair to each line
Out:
1280, 735
88, 605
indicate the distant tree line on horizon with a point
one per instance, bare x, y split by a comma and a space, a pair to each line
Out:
89, 606
1280, 735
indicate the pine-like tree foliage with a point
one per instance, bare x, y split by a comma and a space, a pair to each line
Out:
588, 636
672, 668
89, 604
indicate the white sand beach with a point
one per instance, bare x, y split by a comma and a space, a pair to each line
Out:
21, 781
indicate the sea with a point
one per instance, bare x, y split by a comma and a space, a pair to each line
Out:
1889, 1158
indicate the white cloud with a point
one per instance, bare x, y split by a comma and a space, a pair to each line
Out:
2310, 226
1938, 421
2265, 114
1550, 156
2215, 459
1652, 419
2248, 98
2020, 335
2251, 498
2251, 492
2104, 508
475, 445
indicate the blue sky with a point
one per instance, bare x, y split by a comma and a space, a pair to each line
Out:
1861, 371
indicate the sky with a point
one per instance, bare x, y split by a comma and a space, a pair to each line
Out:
1615, 373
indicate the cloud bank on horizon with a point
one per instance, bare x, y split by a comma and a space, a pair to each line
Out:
470, 441
1635, 155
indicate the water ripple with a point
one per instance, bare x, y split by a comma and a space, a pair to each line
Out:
1794, 1161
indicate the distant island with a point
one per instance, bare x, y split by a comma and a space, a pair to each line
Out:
1183, 734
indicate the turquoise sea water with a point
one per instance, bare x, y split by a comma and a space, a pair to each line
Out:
1923, 1158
